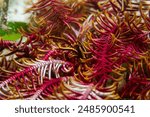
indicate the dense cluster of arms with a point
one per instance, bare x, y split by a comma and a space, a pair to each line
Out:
79, 50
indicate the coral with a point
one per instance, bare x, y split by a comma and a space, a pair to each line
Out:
81, 50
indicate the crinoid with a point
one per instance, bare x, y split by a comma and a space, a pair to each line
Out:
79, 49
